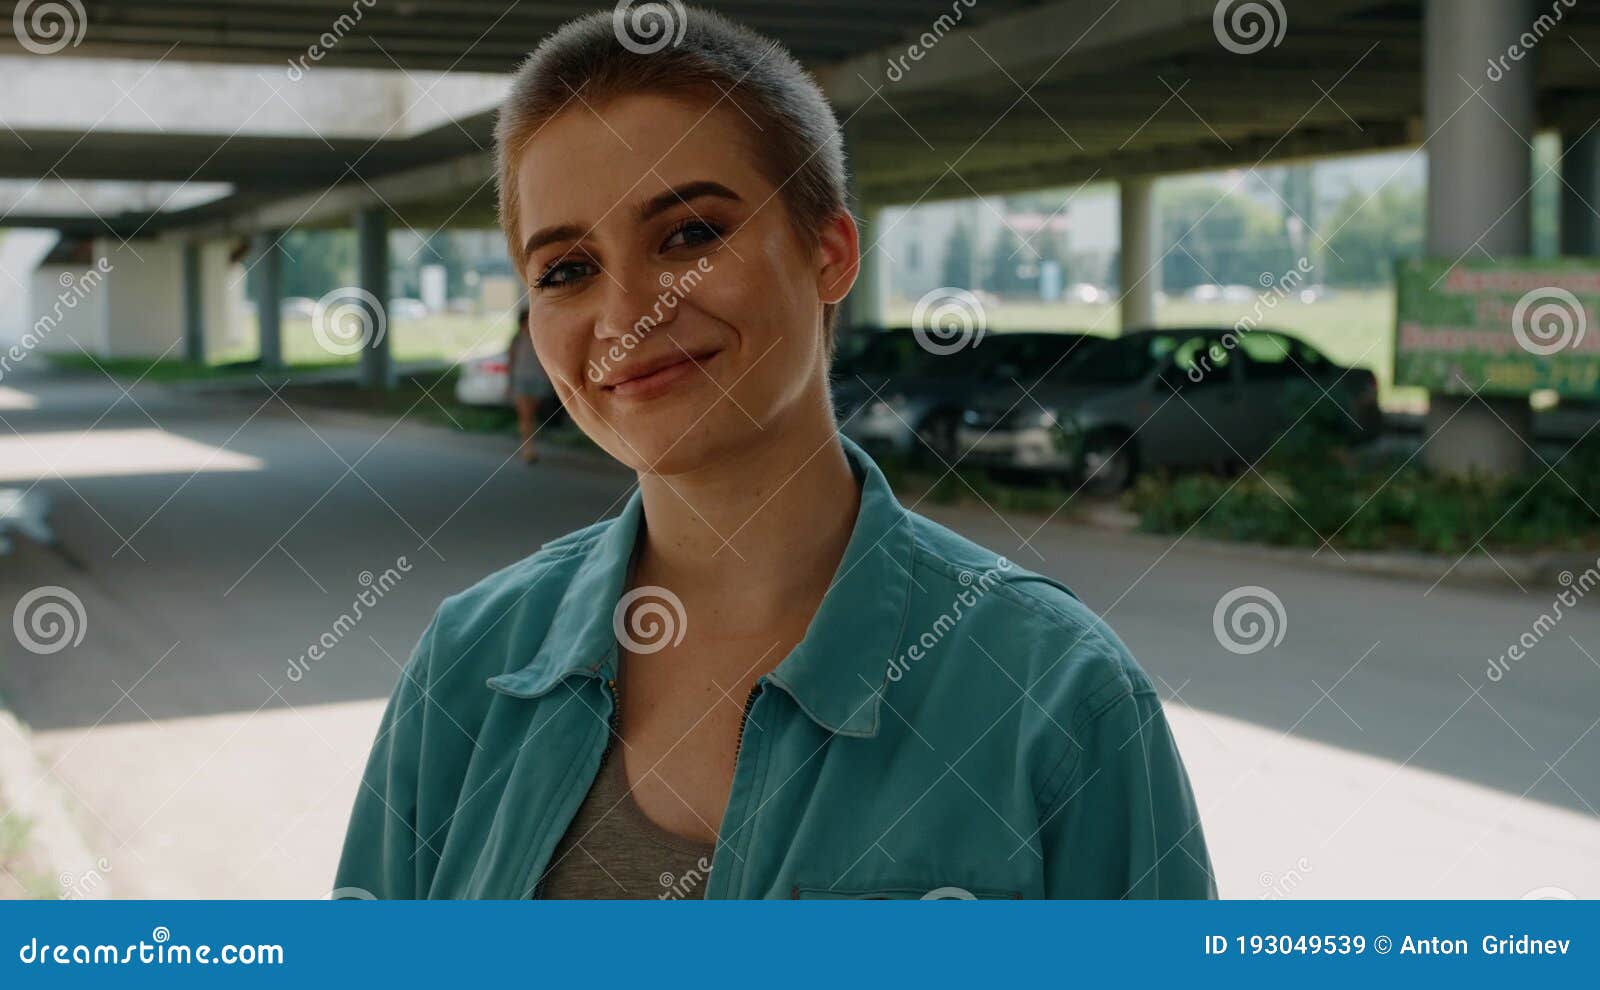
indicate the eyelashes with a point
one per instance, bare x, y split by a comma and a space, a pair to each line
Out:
713, 234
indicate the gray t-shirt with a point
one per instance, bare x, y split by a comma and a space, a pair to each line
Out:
612, 851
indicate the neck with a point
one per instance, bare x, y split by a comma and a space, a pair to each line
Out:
756, 535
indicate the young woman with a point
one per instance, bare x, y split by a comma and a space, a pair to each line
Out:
764, 676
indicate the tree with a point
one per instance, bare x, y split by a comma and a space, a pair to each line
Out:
958, 258
1367, 232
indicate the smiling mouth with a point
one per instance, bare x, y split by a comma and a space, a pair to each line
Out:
660, 380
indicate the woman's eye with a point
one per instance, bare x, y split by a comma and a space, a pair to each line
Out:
553, 276
694, 233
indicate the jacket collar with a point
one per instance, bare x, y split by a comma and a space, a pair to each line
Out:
838, 671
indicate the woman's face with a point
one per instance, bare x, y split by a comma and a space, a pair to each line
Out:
671, 301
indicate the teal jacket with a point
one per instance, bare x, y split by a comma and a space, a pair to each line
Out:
951, 725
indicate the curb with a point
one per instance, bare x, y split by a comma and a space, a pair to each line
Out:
54, 833
1542, 569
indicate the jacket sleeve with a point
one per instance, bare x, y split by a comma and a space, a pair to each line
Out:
384, 855
1122, 820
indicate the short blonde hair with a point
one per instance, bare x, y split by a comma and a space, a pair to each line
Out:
702, 55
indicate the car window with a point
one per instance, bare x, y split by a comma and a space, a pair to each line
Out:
1201, 362
1266, 356
1118, 361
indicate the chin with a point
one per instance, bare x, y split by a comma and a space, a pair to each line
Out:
678, 441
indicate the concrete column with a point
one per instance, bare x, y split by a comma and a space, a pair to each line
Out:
1138, 272
194, 329
864, 306
1580, 194
372, 263
269, 297
1479, 170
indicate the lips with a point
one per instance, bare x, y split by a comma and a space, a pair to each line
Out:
650, 376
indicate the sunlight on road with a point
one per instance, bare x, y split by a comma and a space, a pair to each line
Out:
107, 453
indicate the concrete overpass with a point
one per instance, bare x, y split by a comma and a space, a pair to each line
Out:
939, 100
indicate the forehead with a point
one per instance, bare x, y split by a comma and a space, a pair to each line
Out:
587, 163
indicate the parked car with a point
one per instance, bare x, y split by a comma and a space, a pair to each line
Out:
484, 379
1179, 398
898, 399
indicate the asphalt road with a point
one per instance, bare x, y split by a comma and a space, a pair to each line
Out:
211, 539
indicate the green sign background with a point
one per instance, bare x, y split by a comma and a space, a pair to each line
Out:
1500, 328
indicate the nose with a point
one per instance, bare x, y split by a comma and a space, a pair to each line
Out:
636, 300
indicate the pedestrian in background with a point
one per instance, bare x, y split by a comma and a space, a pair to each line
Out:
528, 385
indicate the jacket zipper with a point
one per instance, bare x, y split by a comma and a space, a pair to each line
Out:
738, 750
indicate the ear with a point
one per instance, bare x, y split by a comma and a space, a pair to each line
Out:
838, 257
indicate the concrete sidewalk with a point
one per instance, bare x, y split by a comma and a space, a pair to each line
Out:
1367, 754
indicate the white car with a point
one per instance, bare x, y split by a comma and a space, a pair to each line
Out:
484, 380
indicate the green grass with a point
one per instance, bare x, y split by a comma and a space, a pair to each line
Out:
20, 876
1353, 327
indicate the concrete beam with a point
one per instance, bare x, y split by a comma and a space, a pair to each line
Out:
269, 297
1480, 167
1139, 267
372, 262
1580, 194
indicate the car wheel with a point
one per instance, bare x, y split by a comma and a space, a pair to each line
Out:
1110, 461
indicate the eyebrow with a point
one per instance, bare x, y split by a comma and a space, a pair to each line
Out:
685, 193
